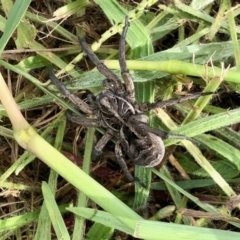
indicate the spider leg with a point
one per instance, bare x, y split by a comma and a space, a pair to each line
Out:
123, 165
90, 122
74, 99
165, 135
100, 66
84, 121
122, 61
102, 143
145, 128
170, 102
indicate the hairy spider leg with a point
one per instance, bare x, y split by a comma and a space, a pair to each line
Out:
92, 122
84, 121
144, 127
129, 85
81, 105
102, 143
100, 66
123, 165
160, 104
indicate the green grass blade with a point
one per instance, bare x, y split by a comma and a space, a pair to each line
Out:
164, 68
16, 14
83, 199
191, 184
209, 123
150, 229
233, 32
37, 83
206, 207
100, 231
232, 136
137, 35
155, 230
18, 221
44, 221
224, 149
101, 217
54, 213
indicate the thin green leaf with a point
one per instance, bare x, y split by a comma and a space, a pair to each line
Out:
16, 14
209, 123
227, 151
192, 183
155, 230
54, 213
101, 217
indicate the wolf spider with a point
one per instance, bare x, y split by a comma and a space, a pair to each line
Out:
115, 110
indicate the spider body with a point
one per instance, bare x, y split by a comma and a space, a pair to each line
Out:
115, 110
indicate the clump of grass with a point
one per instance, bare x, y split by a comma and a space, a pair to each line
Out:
174, 49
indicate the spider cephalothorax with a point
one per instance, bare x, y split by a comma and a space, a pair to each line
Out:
115, 110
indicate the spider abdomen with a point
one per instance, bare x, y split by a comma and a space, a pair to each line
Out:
142, 147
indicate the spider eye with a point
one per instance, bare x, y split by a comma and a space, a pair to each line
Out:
107, 83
